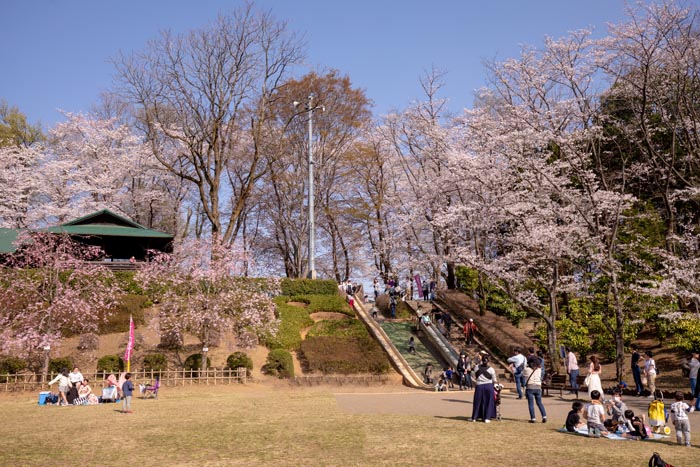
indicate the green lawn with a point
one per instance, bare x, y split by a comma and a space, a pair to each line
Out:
250, 426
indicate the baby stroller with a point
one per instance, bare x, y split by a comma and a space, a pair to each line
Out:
658, 415
497, 388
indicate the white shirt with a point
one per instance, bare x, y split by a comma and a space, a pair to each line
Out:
517, 360
571, 362
75, 377
595, 413
650, 366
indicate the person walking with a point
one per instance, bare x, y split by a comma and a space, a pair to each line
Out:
636, 371
650, 373
469, 332
572, 370
533, 390
484, 407
128, 390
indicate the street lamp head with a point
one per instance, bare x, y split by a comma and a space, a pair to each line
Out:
296, 104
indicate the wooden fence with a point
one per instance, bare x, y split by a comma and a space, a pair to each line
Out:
212, 376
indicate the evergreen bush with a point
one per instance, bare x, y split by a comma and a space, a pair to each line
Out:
193, 364
308, 287
57, 364
279, 363
110, 364
10, 365
240, 360
155, 362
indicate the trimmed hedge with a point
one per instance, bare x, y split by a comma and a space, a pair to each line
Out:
193, 363
308, 287
240, 360
338, 328
343, 355
110, 364
57, 364
11, 365
332, 303
155, 362
292, 320
279, 363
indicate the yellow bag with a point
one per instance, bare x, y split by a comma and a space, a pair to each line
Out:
657, 415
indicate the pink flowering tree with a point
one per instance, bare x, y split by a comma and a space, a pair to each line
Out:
51, 290
201, 291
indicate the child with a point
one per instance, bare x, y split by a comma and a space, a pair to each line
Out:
128, 390
635, 425
411, 345
595, 416
449, 373
441, 385
679, 410
573, 419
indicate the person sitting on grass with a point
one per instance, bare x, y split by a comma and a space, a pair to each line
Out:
595, 416
635, 425
573, 419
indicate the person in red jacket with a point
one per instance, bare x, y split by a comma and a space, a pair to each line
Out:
469, 331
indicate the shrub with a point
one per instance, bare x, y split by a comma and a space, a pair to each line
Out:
292, 320
57, 364
11, 365
279, 363
338, 328
344, 355
308, 287
127, 283
240, 360
155, 362
332, 303
193, 364
110, 364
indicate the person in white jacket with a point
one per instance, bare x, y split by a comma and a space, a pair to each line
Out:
63, 385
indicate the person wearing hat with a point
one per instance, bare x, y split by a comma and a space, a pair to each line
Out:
469, 332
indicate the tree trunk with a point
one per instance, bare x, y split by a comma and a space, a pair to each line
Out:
451, 278
45, 365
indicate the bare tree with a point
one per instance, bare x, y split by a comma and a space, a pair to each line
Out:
204, 98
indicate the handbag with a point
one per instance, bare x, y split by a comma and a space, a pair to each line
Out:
587, 381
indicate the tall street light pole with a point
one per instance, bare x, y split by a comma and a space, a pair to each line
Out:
312, 215
309, 108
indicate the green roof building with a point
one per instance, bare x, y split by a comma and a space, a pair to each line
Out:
120, 238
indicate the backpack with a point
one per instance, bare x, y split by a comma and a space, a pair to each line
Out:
657, 461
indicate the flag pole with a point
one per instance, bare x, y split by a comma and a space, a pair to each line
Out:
130, 344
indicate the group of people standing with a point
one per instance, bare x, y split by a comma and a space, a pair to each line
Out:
644, 372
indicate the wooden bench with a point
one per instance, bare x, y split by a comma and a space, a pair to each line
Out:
561, 382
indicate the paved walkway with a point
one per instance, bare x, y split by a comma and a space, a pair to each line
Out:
458, 405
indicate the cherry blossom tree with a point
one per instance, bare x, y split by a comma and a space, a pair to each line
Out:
50, 289
200, 291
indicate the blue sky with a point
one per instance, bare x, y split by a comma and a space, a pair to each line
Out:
56, 54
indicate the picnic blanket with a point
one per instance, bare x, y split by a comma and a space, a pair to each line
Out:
613, 436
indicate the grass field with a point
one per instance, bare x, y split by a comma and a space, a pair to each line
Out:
262, 425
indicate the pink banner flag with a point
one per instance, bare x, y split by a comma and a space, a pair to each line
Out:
418, 284
130, 345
